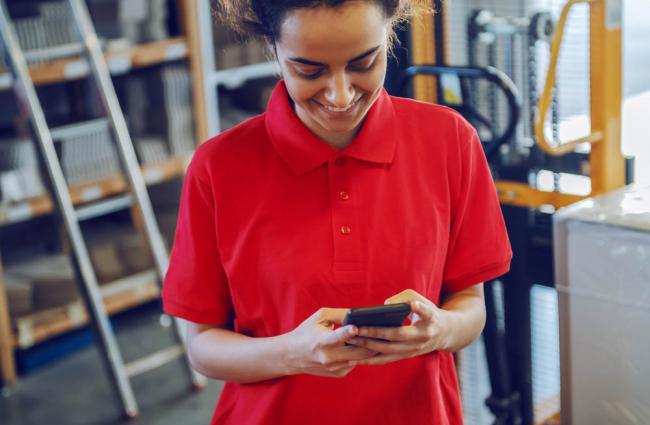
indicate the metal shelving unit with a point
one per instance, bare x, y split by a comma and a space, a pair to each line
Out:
212, 76
128, 292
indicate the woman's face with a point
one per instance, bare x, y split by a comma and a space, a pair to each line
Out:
333, 61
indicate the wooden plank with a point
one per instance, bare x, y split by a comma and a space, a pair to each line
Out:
7, 364
94, 190
190, 13
158, 52
140, 56
423, 51
118, 296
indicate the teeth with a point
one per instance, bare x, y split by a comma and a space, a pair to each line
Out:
347, 108
330, 108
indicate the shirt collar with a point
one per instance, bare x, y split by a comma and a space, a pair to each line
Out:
304, 151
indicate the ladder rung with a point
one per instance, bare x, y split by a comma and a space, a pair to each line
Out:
54, 52
154, 360
80, 128
101, 208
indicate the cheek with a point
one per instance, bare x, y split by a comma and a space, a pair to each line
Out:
300, 90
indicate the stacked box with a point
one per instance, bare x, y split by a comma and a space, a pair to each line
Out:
89, 154
52, 280
139, 21
19, 295
20, 178
170, 96
106, 262
134, 253
51, 26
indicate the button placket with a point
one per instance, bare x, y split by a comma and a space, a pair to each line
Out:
345, 225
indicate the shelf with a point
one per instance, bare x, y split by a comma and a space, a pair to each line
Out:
92, 191
119, 62
235, 77
118, 296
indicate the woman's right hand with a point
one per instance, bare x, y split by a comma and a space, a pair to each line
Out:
316, 348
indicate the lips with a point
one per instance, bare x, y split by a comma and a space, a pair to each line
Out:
331, 110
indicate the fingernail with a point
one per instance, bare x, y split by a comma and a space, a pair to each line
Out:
352, 330
363, 332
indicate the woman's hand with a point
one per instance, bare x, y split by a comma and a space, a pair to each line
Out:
428, 331
316, 348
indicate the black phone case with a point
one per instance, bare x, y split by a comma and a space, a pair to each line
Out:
390, 315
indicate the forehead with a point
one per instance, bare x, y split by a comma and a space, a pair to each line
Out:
327, 34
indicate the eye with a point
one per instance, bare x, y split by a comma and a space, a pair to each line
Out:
363, 66
310, 75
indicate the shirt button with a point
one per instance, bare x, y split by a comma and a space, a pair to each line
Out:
344, 195
346, 230
340, 161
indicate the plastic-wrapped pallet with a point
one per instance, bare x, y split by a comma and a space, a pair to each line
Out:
602, 258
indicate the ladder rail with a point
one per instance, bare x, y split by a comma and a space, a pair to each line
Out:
126, 151
99, 69
29, 102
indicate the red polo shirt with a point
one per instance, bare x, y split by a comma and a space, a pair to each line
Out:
275, 224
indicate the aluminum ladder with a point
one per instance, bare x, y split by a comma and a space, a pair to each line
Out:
89, 47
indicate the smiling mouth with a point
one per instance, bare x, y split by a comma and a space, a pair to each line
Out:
340, 110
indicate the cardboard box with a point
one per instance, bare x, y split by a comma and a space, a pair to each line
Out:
19, 295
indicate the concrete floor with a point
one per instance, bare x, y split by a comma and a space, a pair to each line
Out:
75, 390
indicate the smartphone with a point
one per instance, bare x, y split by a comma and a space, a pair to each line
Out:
389, 315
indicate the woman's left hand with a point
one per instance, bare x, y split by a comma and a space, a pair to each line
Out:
428, 331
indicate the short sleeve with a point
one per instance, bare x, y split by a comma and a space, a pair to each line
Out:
195, 287
479, 248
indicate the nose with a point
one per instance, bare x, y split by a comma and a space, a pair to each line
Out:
340, 91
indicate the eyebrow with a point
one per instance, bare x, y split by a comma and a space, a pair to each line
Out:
354, 59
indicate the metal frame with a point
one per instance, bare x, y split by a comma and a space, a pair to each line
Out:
519, 199
30, 104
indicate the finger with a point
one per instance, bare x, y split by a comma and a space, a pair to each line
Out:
385, 347
401, 333
425, 311
340, 336
332, 315
404, 297
378, 360
353, 352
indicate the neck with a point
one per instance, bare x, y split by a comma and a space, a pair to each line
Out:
338, 141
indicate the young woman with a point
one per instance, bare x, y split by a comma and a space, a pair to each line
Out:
338, 196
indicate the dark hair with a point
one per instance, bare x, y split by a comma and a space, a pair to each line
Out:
263, 18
